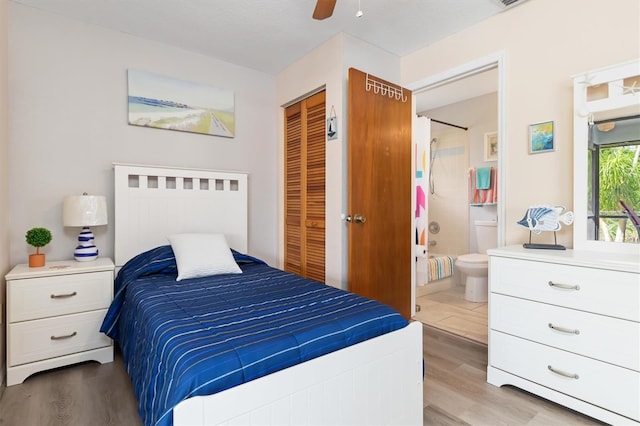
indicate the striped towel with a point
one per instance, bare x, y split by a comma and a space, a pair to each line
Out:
440, 267
479, 197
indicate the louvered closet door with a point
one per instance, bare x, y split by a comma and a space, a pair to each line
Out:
305, 187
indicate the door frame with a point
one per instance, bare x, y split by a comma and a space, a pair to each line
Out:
495, 60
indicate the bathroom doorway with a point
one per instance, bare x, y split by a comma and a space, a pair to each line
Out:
464, 105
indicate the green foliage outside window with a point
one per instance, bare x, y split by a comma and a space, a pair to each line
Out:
619, 179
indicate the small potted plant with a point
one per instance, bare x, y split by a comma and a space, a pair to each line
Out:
38, 237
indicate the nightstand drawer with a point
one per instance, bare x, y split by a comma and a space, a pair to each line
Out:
44, 297
592, 381
51, 337
604, 338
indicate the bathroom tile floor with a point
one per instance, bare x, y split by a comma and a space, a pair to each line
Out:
447, 310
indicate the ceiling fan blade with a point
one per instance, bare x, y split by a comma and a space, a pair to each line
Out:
324, 9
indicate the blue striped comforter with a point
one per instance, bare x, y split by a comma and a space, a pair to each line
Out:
201, 336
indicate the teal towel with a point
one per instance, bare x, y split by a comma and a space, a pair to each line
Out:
483, 178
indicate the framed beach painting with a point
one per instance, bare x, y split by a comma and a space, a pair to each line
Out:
167, 103
541, 137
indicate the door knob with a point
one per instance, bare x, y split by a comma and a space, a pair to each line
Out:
358, 218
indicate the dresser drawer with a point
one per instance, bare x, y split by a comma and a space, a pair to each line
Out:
31, 341
607, 292
597, 383
604, 338
43, 297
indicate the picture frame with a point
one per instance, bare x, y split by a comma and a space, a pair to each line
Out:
541, 137
491, 146
167, 103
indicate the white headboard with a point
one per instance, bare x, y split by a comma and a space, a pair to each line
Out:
152, 202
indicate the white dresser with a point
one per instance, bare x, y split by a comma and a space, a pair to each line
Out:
54, 314
565, 325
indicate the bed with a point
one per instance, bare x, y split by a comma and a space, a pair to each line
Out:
253, 346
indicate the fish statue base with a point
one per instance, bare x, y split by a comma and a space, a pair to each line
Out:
544, 246
554, 246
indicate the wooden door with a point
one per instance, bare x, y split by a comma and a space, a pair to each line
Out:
304, 184
380, 189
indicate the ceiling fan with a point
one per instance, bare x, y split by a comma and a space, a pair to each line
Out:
324, 9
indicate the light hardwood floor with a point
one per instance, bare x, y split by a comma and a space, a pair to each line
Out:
455, 393
449, 311
87, 394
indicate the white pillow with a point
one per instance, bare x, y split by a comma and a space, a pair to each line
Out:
201, 255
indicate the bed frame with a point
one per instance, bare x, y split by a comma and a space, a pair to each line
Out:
379, 381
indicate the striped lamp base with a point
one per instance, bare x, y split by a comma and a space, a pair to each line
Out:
86, 251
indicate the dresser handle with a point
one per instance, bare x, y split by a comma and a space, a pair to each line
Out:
68, 336
62, 296
563, 329
563, 373
564, 286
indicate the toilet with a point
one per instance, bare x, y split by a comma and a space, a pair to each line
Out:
475, 266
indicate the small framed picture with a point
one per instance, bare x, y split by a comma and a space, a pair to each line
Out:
491, 146
541, 137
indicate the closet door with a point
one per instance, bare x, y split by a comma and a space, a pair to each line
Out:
304, 176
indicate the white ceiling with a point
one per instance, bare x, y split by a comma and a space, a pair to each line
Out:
269, 35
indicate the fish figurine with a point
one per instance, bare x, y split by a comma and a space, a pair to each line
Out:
545, 218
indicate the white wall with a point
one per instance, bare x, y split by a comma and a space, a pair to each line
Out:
450, 204
4, 184
328, 66
68, 124
545, 43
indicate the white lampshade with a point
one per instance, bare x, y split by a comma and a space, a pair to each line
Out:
84, 210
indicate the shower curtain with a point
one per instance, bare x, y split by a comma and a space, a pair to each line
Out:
421, 196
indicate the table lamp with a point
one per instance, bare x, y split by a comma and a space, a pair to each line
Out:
85, 211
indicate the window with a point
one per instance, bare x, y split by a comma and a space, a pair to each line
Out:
614, 176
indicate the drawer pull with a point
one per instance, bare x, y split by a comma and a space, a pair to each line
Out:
68, 336
564, 286
63, 296
563, 373
564, 329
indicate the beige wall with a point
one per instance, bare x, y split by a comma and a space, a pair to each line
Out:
545, 43
68, 124
4, 197
68, 116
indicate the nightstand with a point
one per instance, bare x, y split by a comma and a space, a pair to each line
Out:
54, 314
